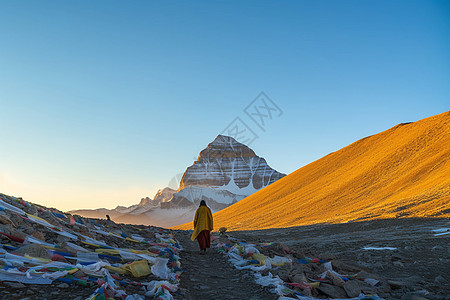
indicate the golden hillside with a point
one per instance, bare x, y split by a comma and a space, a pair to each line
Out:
400, 172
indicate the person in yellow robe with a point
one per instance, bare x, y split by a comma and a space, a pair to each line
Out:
203, 224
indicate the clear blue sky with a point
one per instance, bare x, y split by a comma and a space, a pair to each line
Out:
103, 102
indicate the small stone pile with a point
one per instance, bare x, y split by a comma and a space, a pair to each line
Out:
297, 274
45, 253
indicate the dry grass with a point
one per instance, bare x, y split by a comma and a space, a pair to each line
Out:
401, 172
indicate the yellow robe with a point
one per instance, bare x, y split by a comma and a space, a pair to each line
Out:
203, 221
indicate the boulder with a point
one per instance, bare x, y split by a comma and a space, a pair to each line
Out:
364, 274
4, 219
282, 272
369, 290
345, 267
34, 250
327, 256
332, 291
307, 292
439, 280
398, 263
17, 220
299, 278
39, 235
383, 287
17, 233
32, 210
335, 279
354, 287
79, 274
396, 284
148, 234
298, 252
61, 239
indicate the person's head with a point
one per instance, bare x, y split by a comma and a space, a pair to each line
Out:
202, 203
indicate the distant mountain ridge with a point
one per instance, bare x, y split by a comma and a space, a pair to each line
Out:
401, 172
224, 173
163, 195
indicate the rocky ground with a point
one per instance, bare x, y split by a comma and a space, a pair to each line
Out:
419, 267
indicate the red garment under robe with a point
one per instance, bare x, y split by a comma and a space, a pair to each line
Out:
204, 239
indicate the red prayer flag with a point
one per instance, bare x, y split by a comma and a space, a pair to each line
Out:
72, 220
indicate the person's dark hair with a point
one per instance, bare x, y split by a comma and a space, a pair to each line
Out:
202, 203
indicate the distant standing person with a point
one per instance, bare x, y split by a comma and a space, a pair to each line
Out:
203, 224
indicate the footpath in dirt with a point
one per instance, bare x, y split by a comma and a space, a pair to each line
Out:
212, 276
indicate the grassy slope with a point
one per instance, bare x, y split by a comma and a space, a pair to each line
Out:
403, 171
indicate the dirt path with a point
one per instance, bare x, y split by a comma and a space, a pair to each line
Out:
212, 276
